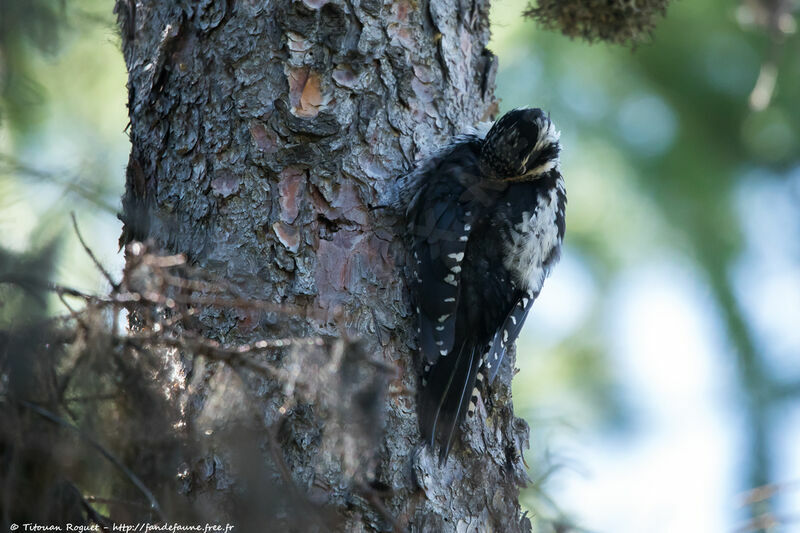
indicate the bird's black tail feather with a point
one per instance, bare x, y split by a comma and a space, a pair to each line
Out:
446, 395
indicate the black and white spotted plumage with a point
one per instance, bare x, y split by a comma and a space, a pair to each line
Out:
486, 218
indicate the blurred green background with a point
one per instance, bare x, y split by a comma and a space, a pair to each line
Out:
62, 142
660, 371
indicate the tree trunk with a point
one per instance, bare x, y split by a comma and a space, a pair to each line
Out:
263, 134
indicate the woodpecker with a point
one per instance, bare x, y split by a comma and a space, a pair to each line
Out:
486, 221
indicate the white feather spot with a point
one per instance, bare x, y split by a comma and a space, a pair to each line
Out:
458, 257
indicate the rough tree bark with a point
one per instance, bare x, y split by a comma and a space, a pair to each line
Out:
262, 135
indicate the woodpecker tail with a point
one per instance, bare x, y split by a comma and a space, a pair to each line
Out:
447, 389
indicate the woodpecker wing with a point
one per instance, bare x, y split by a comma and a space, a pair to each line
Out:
508, 333
440, 240
443, 216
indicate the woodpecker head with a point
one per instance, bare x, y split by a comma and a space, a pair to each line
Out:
522, 145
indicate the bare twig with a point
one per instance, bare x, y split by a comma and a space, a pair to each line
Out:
234, 355
114, 501
13, 166
114, 284
371, 496
164, 261
23, 280
72, 313
212, 301
127, 298
191, 284
52, 417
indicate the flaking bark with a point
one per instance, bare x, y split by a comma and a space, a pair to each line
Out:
263, 135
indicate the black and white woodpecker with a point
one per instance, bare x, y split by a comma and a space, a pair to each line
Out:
486, 219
